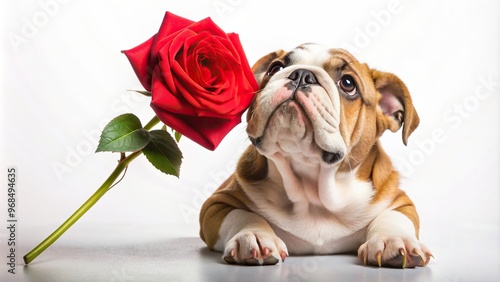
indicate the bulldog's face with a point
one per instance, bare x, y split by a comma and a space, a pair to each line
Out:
320, 105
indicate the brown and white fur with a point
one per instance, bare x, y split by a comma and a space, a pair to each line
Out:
315, 179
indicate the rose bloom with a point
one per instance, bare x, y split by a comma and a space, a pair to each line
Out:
199, 77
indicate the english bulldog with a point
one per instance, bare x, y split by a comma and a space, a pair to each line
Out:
315, 179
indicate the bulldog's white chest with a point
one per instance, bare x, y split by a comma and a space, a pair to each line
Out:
322, 220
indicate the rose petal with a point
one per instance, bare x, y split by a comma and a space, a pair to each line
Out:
203, 106
139, 58
208, 132
163, 98
245, 66
215, 75
143, 57
168, 59
207, 25
171, 25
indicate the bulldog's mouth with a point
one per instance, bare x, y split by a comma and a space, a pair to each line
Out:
289, 107
291, 124
327, 157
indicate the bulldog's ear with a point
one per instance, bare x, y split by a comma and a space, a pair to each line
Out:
395, 103
260, 67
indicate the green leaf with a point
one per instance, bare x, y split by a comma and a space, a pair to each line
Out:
123, 134
178, 136
163, 152
145, 93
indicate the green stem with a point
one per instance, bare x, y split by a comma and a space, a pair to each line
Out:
29, 257
82, 210
154, 121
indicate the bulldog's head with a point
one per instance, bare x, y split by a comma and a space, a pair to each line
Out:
320, 105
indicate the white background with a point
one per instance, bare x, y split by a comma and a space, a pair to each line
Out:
63, 77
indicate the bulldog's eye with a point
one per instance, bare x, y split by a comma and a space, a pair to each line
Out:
348, 85
274, 68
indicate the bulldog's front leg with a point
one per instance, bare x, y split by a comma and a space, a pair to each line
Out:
247, 238
392, 241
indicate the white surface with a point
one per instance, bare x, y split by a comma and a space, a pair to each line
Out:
139, 252
67, 78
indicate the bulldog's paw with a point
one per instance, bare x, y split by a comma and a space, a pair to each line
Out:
255, 248
394, 251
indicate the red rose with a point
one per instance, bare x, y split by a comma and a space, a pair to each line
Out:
199, 77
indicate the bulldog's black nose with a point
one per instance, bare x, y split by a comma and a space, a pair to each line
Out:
330, 158
302, 77
256, 141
